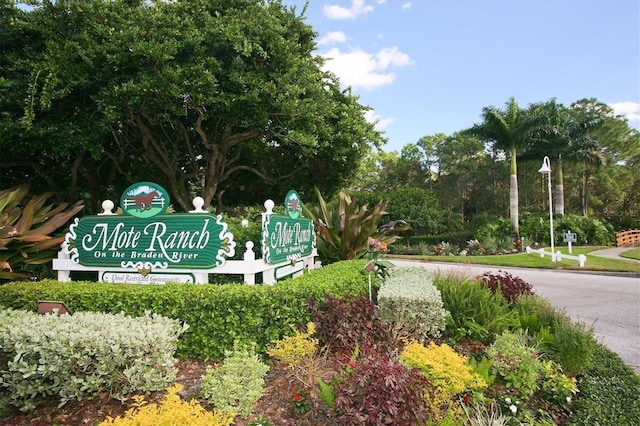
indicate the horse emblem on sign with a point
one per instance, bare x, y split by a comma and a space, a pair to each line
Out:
144, 199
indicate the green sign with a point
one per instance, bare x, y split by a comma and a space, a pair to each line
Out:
287, 237
143, 239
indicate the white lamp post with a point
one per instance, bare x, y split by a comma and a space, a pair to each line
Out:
546, 170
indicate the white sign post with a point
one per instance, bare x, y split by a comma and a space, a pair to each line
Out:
570, 237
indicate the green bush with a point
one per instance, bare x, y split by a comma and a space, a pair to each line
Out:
572, 345
219, 315
411, 305
79, 356
569, 343
237, 384
609, 392
476, 312
516, 362
536, 313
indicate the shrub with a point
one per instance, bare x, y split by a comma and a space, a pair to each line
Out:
172, 411
572, 345
507, 285
449, 372
536, 313
609, 392
557, 387
498, 228
346, 325
377, 389
25, 228
516, 362
219, 315
80, 356
299, 353
237, 384
474, 311
411, 305
292, 350
344, 227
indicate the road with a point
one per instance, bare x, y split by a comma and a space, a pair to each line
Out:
611, 304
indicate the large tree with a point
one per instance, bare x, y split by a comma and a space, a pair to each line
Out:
565, 134
509, 130
189, 94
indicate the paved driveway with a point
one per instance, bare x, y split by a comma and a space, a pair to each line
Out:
611, 304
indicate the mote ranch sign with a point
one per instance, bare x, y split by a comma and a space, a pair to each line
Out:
145, 237
287, 237
146, 243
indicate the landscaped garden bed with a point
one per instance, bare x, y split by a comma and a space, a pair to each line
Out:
432, 350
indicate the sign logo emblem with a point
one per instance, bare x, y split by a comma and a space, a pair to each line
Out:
144, 199
292, 204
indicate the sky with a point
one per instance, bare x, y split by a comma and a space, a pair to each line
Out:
430, 66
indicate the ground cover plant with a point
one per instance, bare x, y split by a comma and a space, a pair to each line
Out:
342, 366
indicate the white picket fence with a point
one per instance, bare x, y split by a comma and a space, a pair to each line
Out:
558, 256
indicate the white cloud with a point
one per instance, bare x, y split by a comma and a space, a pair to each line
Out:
380, 123
333, 37
360, 69
406, 6
358, 7
630, 110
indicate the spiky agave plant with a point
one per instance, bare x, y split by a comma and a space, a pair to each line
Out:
344, 227
25, 230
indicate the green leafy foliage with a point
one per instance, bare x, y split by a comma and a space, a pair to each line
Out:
573, 345
608, 392
222, 97
26, 225
475, 311
79, 356
344, 227
411, 305
237, 384
417, 206
516, 362
219, 315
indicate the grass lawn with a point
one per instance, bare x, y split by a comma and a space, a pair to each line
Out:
533, 260
631, 254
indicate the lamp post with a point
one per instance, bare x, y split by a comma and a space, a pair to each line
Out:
546, 170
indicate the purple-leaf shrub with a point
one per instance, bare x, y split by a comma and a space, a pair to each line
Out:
347, 326
509, 286
375, 389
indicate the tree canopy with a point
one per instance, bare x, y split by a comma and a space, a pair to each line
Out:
204, 97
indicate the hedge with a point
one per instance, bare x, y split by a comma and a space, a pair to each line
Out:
218, 315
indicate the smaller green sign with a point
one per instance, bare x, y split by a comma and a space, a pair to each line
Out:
286, 239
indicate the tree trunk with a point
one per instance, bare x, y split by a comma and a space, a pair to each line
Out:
559, 202
583, 193
513, 196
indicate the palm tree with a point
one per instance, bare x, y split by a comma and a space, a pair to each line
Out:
565, 134
509, 130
